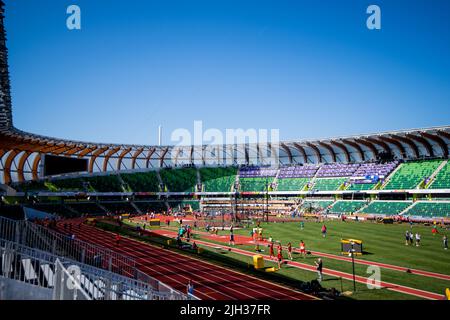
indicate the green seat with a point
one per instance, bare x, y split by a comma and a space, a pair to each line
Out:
347, 206
179, 180
442, 179
142, 181
218, 179
255, 184
386, 207
411, 174
329, 184
292, 184
430, 209
361, 186
323, 204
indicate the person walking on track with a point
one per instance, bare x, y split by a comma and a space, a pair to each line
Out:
231, 236
279, 258
302, 248
289, 250
319, 266
271, 253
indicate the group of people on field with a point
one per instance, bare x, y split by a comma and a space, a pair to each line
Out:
409, 238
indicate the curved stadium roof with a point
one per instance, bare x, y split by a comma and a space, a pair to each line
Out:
21, 152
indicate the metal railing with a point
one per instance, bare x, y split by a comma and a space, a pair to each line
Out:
43, 239
73, 280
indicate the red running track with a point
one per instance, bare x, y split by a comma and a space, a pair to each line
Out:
210, 281
240, 239
387, 285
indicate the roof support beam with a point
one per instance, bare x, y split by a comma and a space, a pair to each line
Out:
343, 148
409, 142
439, 141
94, 157
369, 145
149, 156
34, 169
357, 147
22, 161
398, 144
110, 153
288, 152
424, 142
316, 151
330, 150
122, 154
134, 157
7, 166
302, 151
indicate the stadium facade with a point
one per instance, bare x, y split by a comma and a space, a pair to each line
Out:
21, 152
332, 167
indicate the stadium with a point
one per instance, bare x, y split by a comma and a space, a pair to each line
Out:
142, 222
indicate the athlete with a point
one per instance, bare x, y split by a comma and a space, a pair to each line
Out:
279, 258
231, 236
302, 249
271, 253
289, 250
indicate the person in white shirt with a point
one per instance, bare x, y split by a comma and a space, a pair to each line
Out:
417, 239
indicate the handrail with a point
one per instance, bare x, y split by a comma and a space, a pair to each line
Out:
44, 239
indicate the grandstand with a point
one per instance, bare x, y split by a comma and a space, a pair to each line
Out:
387, 208
50, 223
220, 179
411, 174
331, 184
347, 206
442, 179
430, 209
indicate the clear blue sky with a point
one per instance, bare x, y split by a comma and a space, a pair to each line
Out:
309, 68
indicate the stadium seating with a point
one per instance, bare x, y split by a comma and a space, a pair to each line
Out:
52, 208
151, 206
430, 209
361, 186
179, 205
142, 181
85, 207
322, 204
367, 175
347, 206
292, 184
375, 169
179, 180
442, 179
254, 178
411, 174
304, 171
255, 171
218, 179
386, 207
119, 207
254, 184
337, 170
328, 184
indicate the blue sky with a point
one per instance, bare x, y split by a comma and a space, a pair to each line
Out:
309, 68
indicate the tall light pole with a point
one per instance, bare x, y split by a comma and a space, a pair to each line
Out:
353, 265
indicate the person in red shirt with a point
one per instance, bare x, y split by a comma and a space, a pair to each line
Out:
289, 250
324, 231
117, 239
279, 258
271, 253
302, 248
